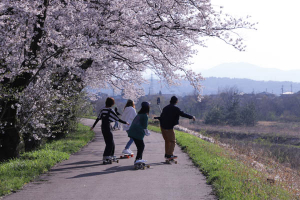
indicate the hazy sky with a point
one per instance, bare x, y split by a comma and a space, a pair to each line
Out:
275, 44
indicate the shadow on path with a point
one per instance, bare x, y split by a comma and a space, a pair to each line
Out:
114, 169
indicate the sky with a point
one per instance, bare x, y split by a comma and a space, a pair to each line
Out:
275, 43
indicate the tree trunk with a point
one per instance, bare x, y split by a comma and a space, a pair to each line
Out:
9, 138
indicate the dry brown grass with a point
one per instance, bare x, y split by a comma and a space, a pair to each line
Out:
257, 155
262, 127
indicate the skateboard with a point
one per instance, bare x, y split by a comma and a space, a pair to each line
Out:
110, 161
126, 156
169, 160
141, 165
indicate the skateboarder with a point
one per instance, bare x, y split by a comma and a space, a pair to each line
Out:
128, 115
168, 119
108, 115
138, 130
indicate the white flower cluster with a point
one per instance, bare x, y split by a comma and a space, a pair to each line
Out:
45, 47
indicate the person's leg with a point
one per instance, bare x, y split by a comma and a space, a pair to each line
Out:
172, 141
112, 152
108, 138
169, 137
115, 125
167, 142
129, 143
140, 148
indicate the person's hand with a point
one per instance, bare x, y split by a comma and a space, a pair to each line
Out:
194, 118
127, 123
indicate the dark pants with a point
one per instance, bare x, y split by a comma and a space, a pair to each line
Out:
140, 148
109, 140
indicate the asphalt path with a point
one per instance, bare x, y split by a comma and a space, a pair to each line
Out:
84, 177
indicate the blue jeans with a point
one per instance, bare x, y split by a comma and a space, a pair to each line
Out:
129, 143
116, 125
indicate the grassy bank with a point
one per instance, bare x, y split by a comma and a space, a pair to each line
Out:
17, 172
230, 178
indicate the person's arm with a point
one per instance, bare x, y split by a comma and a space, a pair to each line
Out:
97, 120
145, 126
144, 122
116, 117
183, 114
123, 122
116, 110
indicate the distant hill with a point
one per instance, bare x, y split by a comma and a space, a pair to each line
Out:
245, 77
249, 71
214, 85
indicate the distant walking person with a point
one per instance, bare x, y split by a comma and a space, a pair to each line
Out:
168, 119
116, 126
138, 130
108, 115
128, 115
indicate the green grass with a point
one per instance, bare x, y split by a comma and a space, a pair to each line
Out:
17, 172
230, 178
89, 117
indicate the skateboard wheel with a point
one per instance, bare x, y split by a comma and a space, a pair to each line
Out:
117, 161
143, 167
175, 161
132, 155
148, 166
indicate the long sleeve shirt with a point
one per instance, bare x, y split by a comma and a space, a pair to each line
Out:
128, 116
170, 116
107, 115
138, 126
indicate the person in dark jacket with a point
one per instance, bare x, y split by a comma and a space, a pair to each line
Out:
168, 119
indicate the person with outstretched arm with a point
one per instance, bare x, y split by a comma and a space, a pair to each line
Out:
168, 119
108, 115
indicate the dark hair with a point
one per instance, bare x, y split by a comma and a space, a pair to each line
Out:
145, 108
109, 102
173, 100
129, 103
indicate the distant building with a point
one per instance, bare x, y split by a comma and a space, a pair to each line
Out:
287, 93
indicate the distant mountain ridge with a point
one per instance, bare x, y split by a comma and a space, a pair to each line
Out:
215, 85
245, 77
249, 71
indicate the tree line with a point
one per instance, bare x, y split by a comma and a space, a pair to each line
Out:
229, 107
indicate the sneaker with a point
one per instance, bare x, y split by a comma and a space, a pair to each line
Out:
107, 157
126, 151
130, 151
166, 156
114, 158
139, 161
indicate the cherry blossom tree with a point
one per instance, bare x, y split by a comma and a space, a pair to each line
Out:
100, 43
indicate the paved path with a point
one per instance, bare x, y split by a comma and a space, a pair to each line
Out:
83, 177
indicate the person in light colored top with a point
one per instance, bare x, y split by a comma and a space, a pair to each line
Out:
128, 115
